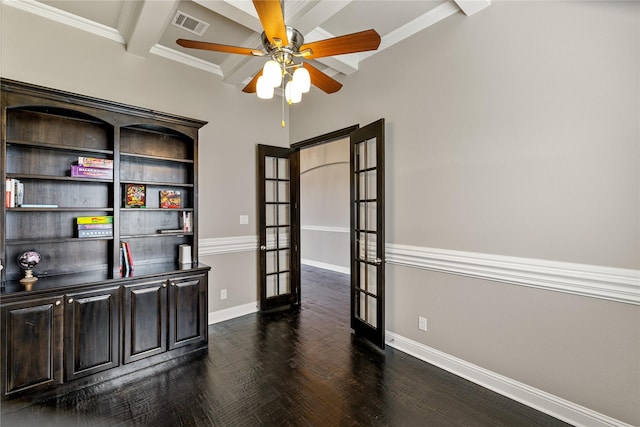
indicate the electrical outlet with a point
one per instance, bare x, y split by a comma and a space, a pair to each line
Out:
223, 294
422, 323
244, 219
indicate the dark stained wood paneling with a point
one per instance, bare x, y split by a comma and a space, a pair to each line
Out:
145, 317
33, 344
187, 311
92, 332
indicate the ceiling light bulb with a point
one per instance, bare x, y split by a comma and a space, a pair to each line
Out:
302, 79
263, 89
272, 73
291, 93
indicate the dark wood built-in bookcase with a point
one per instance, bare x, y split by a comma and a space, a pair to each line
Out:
83, 287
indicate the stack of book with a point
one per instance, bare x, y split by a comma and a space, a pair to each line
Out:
14, 193
91, 167
126, 260
95, 226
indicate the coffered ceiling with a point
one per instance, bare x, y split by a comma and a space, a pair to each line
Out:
146, 27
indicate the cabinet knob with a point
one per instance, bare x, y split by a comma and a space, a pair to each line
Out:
70, 300
173, 283
164, 285
58, 302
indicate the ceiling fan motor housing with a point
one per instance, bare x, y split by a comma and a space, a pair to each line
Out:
284, 54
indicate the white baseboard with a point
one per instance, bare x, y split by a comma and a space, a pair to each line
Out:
542, 401
332, 267
232, 312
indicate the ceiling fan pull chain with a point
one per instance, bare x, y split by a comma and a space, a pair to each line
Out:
283, 96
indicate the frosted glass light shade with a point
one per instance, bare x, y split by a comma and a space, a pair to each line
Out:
291, 93
263, 89
272, 73
302, 79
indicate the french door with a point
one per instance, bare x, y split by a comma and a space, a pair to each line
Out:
367, 232
279, 224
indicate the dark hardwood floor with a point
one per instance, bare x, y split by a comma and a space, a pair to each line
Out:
284, 369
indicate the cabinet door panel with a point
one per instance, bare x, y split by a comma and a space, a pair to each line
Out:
92, 332
32, 347
145, 317
187, 312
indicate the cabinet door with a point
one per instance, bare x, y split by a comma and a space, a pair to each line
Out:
187, 311
145, 320
92, 335
32, 344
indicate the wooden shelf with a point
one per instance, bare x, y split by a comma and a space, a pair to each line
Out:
57, 147
58, 178
156, 158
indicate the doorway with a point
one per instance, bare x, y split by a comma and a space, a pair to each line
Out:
324, 206
279, 225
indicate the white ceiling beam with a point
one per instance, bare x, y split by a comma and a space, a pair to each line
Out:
469, 7
241, 12
151, 21
312, 15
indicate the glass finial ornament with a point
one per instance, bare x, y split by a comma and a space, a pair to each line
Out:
27, 261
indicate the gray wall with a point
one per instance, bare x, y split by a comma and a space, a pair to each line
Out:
512, 132
324, 205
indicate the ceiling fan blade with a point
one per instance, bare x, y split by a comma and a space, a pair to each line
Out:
251, 86
272, 20
321, 80
349, 43
194, 44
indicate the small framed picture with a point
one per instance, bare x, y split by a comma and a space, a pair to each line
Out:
135, 196
170, 199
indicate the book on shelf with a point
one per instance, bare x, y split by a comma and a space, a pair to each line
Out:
95, 162
170, 199
78, 171
14, 193
126, 259
94, 220
134, 195
100, 232
186, 221
95, 226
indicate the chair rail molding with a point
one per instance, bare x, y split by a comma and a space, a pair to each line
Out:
227, 245
615, 284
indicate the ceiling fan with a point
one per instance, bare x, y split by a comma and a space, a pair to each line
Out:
285, 46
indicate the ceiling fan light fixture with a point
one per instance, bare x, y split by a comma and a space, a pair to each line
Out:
263, 89
302, 79
291, 93
272, 73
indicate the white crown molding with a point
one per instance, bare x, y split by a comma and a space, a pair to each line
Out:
227, 245
542, 401
66, 18
615, 284
183, 58
323, 228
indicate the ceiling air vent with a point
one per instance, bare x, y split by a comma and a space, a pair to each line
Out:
190, 23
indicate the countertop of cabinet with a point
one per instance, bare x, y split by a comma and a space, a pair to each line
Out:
66, 282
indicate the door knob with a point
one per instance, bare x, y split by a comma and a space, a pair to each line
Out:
263, 248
